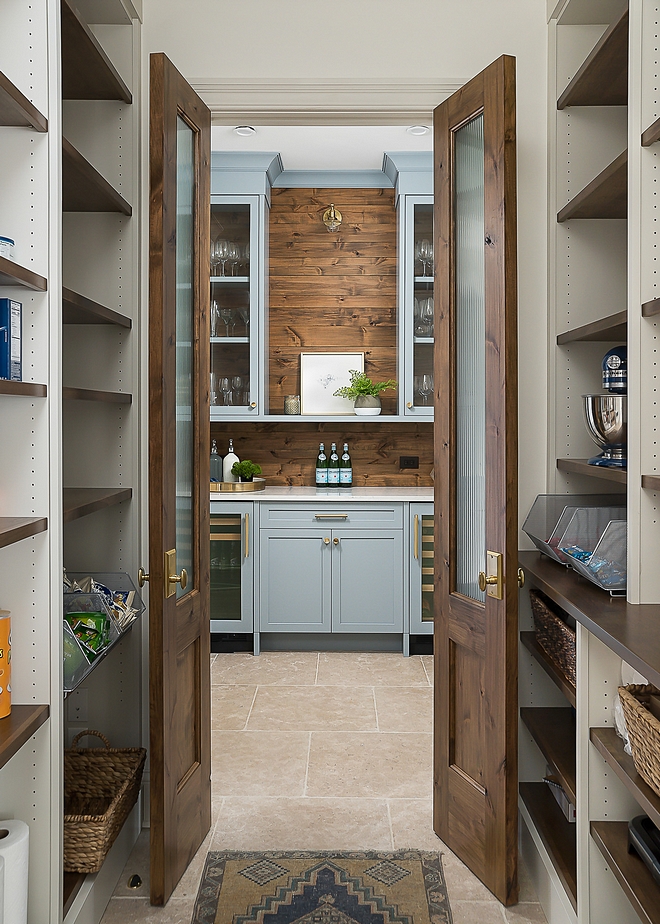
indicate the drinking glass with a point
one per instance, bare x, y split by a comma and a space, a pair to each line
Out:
215, 318
214, 265
222, 254
226, 315
426, 387
233, 257
225, 388
246, 257
213, 398
237, 390
418, 322
427, 313
244, 315
425, 254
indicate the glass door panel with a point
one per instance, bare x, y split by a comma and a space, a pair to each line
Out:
428, 570
418, 306
422, 545
226, 558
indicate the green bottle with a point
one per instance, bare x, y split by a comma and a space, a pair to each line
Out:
346, 468
333, 467
321, 468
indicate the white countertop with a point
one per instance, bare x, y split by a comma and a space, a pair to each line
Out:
341, 495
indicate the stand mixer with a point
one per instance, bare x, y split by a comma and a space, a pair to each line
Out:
606, 416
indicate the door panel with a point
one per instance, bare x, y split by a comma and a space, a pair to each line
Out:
179, 637
476, 632
367, 581
295, 580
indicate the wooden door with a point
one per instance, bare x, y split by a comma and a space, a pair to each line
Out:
179, 635
476, 623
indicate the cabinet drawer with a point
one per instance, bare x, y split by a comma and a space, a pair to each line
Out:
351, 516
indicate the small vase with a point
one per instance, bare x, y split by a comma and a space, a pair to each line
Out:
367, 405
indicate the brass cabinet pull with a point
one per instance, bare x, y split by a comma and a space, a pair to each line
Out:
143, 577
326, 540
336, 541
416, 540
409, 404
330, 516
253, 403
247, 535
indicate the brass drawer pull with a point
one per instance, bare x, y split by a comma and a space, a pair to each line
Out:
416, 531
247, 535
330, 516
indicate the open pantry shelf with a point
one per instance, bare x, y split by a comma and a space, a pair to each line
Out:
16, 109
87, 72
81, 502
11, 274
18, 727
610, 746
650, 309
552, 670
630, 872
28, 389
78, 309
556, 833
631, 630
582, 467
651, 481
553, 729
605, 197
602, 80
83, 187
90, 394
651, 134
614, 327
13, 529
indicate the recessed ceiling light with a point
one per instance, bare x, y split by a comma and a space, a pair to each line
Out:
245, 130
418, 130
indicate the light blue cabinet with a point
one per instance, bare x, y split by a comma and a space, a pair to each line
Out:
367, 580
232, 566
295, 580
421, 559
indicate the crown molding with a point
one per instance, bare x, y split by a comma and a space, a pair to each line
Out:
335, 101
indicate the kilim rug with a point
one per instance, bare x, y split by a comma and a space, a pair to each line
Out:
302, 887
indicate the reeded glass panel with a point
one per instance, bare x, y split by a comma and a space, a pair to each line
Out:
428, 552
470, 357
226, 567
185, 255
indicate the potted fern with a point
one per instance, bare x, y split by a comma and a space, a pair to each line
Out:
365, 393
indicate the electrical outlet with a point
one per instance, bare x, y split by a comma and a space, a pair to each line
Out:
408, 461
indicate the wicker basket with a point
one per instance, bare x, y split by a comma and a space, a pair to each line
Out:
643, 731
553, 635
101, 786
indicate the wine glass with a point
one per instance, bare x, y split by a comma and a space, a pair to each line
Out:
214, 265
426, 387
425, 254
418, 321
225, 388
215, 318
226, 315
427, 314
222, 254
246, 258
244, 315
214, 388
237, 389
233, 257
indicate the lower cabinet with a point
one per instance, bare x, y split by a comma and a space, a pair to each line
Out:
232, 566
331, 580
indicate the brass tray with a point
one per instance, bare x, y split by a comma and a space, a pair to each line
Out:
223, 487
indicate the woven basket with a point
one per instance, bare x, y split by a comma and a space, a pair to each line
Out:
553, 635
643, 732
101, 786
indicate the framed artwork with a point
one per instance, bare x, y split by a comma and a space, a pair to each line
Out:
321, 374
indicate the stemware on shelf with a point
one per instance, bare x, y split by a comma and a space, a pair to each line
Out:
233, 257
215, 318
427, 313
225, 388
214, 389
425, 387
221, 255
237, 390
425, 255
226, 315
244, 314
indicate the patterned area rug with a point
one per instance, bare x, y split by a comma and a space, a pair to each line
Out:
301, 887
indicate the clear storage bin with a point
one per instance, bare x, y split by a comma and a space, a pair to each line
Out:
76, 662
550, 515
598, 537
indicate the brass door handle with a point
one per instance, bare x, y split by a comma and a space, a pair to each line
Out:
416, 540
143, 577
521, 578
485, 581
493, 582
336, 541
180, 579
171, 577
326, 540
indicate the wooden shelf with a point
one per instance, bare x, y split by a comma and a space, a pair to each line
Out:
603, 78
80, 502
615, 327
71, 885
631, 630
605, 197
30, 389
89, 394
18, 727
651, 135
16, 109
87, 72
649, 309
13, 529
553, 729
78, 309
582, 467
83, 187
630, 872
556, 833
11, 274
552, 670
651, 481
610, 746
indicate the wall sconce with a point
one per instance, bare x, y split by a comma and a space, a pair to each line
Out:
332, 218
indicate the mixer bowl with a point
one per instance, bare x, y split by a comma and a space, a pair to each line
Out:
606, 417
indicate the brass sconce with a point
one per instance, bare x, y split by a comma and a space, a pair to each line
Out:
332, 218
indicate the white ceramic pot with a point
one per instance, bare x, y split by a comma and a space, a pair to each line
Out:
367, 405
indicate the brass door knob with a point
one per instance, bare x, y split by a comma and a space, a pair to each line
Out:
485, 581
409, 404
253, 404
326, 540
521, 577
336, 541
143, 577
180, 579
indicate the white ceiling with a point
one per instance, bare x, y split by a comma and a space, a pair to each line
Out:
323, 147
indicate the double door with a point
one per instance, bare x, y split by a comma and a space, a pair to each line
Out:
331, 580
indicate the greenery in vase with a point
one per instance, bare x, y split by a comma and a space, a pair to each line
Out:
361, 384
245, 470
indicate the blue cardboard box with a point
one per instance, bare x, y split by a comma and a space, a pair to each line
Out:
11, 337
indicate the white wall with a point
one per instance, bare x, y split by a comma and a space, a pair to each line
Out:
425, 42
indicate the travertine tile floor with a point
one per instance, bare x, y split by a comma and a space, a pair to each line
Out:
320, 752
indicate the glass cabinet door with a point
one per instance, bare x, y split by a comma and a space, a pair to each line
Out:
418, 305
231, 567
234, 306
422, 568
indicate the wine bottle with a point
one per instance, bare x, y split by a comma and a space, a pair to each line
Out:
346, 468
333, 467
227, 463
216, 463
321, 468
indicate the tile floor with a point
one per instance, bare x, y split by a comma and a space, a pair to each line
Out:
324, 751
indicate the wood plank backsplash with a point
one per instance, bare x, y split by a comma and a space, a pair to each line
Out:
287, 452
331, 291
